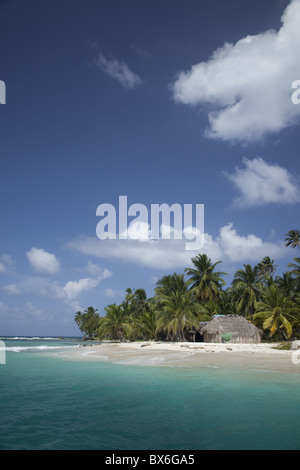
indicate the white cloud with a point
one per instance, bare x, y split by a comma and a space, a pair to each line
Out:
12, 289
261, 183
66, 293
248, 83
163, 254
73, 289
171, 254
2, 268
43, 262
119, 71
236, 248
95, 270
41, 286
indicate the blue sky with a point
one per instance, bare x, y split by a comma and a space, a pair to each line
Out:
185, 102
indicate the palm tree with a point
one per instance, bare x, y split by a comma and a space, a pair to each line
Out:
247, 287
286, 284
140, 301
78, 318
293, 238
129, 295
148, 325
277, 311
175, 305
170, 283
267, 267
205, 282
211, 308
227, 304
295, 272
116, 324
176, 314
88, 321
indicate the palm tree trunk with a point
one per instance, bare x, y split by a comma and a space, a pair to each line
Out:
181, 334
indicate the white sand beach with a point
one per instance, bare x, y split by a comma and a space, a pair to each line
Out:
260, 356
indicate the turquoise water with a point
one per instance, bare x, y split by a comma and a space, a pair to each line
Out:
47, 402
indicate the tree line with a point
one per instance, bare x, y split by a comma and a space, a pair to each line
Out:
174, 313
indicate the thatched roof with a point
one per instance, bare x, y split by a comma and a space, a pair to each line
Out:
231, 328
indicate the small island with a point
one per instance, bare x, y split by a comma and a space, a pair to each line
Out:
257, 306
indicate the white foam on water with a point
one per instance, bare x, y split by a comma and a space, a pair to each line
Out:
27, 348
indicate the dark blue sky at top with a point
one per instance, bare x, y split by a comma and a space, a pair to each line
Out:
71, 137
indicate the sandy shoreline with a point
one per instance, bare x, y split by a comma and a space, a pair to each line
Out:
260, 357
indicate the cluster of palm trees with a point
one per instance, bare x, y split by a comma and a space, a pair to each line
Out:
88, 322
179, 304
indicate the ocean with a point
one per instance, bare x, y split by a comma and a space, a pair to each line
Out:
49, 402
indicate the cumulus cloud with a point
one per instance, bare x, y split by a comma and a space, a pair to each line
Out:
93, 269
42, 261
74, 288
151, 253
69, 293
141, 249
119, 71
236, 248
171, 254
248, 84
46, 287
261, 183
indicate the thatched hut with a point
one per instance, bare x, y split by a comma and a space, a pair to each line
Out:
230, 328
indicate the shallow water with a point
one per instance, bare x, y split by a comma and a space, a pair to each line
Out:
48, 402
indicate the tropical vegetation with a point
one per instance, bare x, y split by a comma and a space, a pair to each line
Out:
182, 300
88, 322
